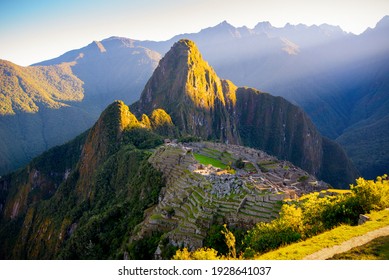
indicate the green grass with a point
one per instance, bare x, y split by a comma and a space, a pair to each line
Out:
226, 158
212, 152
377, 249
330, 238
156, 217
249, 167
208, 160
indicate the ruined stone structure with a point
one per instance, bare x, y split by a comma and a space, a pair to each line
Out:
197, 196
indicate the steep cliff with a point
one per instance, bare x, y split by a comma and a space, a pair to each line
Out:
202, 104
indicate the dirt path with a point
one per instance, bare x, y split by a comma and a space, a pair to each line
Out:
349, 244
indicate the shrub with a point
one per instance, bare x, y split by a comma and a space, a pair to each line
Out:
372, 195
267, 236
239, 163
199, 254
293, 217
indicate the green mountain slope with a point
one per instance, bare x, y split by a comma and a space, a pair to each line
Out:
82, 199
112, 194
25, 89
39, 109
48, 104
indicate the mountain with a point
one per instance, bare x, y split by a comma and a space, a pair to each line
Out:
50, 103
38, 106
73, 192
339, 79
116, 192
202, 104
368, 92
329, 73
114, 68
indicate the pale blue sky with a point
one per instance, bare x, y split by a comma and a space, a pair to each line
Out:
35, 30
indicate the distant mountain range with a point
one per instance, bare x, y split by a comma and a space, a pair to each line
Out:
339, 79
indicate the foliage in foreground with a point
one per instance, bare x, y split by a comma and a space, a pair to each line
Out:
336, 236
210, 253
310, 215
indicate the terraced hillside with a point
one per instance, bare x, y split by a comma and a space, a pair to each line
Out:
197, 195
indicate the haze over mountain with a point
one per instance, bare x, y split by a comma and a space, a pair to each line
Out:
44, 106
329, 73
39, 105
114, 189
202, 104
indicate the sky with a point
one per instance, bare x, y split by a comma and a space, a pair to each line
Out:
35, 30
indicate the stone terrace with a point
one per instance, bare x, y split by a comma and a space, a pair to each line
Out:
191, 202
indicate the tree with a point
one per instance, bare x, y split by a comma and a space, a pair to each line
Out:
230, 242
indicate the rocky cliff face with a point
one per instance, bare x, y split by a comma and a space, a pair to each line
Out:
202, 104
191, 93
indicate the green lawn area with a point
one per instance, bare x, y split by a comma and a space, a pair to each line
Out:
336, 236
208, 160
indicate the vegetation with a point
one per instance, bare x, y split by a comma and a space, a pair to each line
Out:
209, 160
124, 187
307, 218
378, 249
26, 89
239, 163
162, 123
210, 253
97, 226
144, 248
142, 138
330, 238
372, 195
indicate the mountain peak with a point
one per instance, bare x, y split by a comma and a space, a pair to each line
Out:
263, 26
102, 141
184, 44
383, 23
185, 85
225, 24
187, 76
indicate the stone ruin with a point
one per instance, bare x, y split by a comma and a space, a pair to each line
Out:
197, 196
